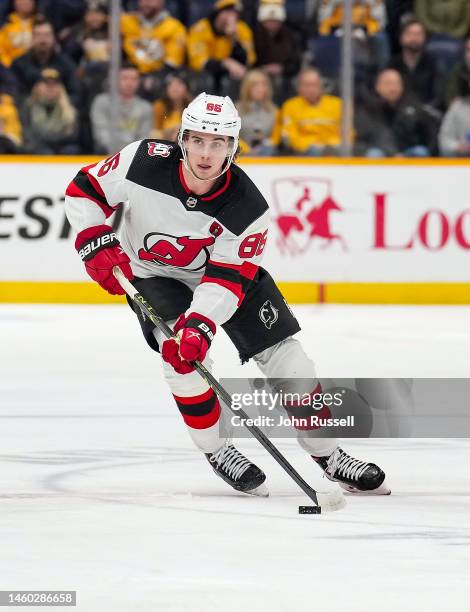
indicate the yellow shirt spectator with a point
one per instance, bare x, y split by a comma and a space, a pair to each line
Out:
10, 125
206, 42
15, 38
306, 125
150, 44
311, 119
368, 14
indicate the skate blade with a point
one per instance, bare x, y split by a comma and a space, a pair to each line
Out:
261, 491
383, 489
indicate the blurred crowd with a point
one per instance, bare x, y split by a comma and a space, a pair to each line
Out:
279, 59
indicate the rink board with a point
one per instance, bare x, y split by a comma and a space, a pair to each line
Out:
342, 230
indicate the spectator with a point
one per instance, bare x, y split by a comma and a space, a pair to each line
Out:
15, 35
88, 41
222, 45
261, 120
277, 46
10, 126
312, 119
152, 39
416, 66
50, 119
457, 83
168, 109
369, 17
135, 115
392, 123
454, 135
451, 17
367, 14
447, 22
43, 54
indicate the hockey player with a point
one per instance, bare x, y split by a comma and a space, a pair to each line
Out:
192, 239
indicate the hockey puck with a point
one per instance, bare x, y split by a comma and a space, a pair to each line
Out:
309, 510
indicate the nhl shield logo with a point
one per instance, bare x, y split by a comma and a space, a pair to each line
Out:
268, 314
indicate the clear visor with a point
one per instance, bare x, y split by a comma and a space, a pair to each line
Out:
208, 145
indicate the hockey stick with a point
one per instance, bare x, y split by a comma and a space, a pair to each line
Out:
333, 500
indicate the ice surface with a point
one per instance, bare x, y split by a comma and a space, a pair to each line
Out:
103, 493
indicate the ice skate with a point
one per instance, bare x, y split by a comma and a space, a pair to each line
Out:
238, 471
353, 475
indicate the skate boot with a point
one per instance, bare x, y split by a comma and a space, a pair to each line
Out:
238, 471
353, 475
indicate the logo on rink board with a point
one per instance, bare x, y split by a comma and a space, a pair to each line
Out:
268, 314
306, 210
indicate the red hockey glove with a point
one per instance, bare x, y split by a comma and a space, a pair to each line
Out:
196, 333
100, 250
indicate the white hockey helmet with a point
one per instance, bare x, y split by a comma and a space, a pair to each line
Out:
212, 115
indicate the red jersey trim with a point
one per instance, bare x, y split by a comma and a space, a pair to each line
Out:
183, 182
235, 288
246, 269
222, 189
95, 184
75, 192
212, 196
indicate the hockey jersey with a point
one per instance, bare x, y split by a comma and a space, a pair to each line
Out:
213, 243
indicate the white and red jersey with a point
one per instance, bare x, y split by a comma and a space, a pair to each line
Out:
213, 243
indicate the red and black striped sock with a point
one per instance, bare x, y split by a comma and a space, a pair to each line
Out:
199, 411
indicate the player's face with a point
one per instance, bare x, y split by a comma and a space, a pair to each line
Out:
206, 153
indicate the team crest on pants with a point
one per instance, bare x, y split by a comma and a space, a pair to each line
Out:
268, 314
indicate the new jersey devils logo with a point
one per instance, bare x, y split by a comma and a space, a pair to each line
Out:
178, 251
268, 314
